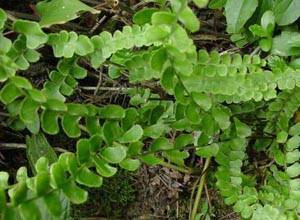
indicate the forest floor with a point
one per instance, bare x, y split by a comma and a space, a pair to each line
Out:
151, 192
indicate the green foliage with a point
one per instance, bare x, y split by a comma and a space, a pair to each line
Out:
286, 12
58, 12
214, 102
238, 13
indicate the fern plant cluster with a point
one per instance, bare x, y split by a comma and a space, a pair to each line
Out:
220, 105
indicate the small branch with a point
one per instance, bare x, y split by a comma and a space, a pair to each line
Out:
255, 51
99, 22
93, 88
93, 2
83, 128
4, 114
13, 146
207, 196
174, 167
192, 196
99, 82
13, 15
200, 189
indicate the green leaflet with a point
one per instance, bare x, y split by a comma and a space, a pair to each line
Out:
293, 170
42, 183
77, 109
49, 122
37, 147
58, 12
112, 112
214, 4
132, 135
130, 164
92, 125
88, 178
286, 44
151, 159
157, 33
30, 211
134, 149
32, 31
222, 117
176, 156
70, 162
5, 43
21, 82
183, 140
3, 18
95, 142
29, 114
163, 17
242, 130
208, 151
154, 131
144, 16
193, 113
201, 3
282, 137
111, 131
9, 93
52, 201
83, 151
57, 174
161, 144
114, 154
167, 79
74, 193
238, 12
293, 143
265, 30
189, 19
103, 168
286, 11
158, 59
55, 105
203, 100
295, 130
70, 125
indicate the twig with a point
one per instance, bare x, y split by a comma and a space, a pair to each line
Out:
207, 196
8, 33
97, 24
93, 2
13, 15
93, 88
174, 167
83, 128
226, 216
4, 114
191, 197
13, 146
255, 51
139, 4
200, 189
99, 82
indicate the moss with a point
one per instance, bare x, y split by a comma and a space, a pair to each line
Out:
111, 200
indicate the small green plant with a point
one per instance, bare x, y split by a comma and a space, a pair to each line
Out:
221, 105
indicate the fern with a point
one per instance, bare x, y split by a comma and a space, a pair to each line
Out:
211, 94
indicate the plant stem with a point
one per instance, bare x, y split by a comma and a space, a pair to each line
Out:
174, 167
200, 189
